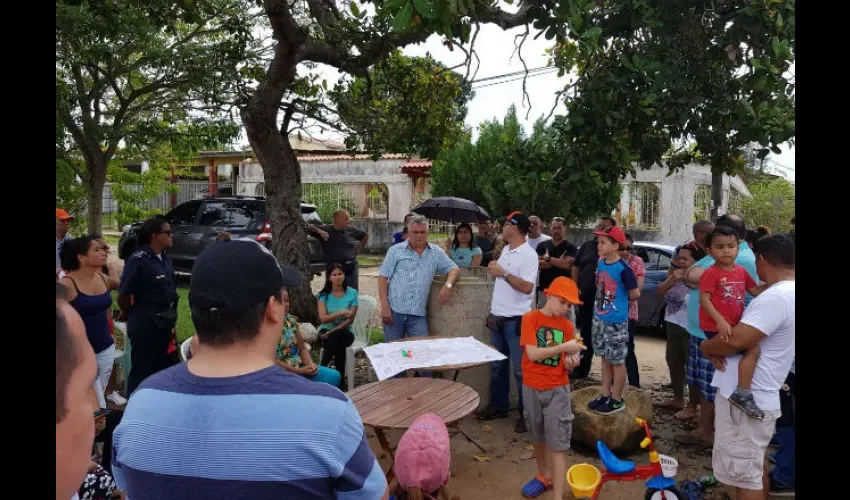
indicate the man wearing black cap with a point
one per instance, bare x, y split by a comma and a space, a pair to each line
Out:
230, 423
513, 293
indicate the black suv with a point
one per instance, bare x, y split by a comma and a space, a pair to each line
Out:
196, 223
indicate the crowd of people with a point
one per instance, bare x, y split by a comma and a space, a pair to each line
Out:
251, 392
709, 318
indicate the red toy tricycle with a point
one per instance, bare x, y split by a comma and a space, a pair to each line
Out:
586, 480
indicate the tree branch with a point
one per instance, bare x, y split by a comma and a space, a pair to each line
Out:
339, 57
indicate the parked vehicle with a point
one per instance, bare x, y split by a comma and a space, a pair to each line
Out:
196, 223
657, 258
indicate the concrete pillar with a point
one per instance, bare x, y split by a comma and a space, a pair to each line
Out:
213, 177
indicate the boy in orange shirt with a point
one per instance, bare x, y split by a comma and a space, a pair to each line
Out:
550, 351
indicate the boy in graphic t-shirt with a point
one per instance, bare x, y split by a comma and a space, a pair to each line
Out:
550, 350
721, 298
616, 285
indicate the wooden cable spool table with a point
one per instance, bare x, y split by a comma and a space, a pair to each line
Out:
395, 404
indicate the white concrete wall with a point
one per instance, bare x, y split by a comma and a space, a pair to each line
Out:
676, 215
349, 170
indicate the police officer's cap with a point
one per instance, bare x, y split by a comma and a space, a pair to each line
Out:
231, 276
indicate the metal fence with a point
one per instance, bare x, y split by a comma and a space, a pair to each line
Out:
162, 202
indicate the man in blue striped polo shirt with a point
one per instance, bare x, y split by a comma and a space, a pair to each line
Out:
230, 424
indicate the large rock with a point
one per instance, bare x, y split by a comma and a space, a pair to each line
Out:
619, 431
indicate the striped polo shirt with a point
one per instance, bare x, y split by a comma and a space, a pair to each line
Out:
265, 435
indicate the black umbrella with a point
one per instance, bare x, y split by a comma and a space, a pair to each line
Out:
450, 209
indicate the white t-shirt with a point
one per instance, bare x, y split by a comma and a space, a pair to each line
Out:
522, 263
773, 314
533, 242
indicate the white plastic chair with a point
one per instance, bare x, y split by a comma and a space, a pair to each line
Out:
366, 306
184, 349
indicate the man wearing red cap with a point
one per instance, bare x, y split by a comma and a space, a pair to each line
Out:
63, 223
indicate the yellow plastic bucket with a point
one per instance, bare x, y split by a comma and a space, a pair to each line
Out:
583, 480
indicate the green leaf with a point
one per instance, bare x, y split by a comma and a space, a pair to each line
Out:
354, 8
404, 19
776, 150
425, 8
779, 21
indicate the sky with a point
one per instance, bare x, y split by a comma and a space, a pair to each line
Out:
495, 49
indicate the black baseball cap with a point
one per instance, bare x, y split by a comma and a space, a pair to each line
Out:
519, 220
231, 276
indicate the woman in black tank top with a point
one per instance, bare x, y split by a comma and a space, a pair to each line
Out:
89, 293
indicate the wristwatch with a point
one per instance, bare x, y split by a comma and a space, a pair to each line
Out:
505, 276
449, 285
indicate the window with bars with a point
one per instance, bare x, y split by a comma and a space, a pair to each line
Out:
702, 202
645, 204
361, 200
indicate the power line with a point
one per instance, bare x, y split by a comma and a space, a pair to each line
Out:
540, 73
496, 77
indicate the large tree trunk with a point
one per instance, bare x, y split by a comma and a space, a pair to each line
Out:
282, 177
94, 180
716, 194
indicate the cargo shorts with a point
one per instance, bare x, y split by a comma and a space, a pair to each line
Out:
610, 340
549, 416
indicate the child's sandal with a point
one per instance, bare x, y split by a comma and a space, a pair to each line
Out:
536, 487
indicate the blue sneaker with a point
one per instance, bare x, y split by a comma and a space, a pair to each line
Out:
611, 406
598, 402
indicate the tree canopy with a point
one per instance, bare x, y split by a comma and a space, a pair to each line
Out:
405, 104
772, 204
131, 74
505, 169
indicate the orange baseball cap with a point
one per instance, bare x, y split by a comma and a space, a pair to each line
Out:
564, 288
63, 215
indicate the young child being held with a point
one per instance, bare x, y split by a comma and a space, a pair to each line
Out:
550, 351
616, 285
722, 288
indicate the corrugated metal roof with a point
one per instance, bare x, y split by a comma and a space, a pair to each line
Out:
386, 156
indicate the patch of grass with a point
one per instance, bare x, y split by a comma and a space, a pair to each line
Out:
376, 335
369, 260
111, 239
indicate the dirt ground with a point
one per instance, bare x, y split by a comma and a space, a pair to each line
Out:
509, 464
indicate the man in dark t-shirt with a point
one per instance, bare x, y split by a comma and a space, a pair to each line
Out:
341, 243
584, 273
556, 257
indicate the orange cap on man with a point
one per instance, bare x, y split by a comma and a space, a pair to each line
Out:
62, 214
564, 288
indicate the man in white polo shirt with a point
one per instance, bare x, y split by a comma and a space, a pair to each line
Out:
513, 292
769, 322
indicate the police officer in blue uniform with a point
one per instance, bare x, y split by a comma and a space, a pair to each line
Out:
148, 297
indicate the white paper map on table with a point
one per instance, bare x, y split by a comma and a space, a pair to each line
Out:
388, 359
